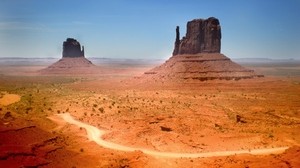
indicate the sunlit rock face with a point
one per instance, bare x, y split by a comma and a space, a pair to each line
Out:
72, 48
197, 57
202, 36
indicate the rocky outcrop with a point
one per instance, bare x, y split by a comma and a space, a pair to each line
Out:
202, 36
72, 48
197, 57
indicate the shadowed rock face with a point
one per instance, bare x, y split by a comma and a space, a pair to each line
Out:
72, 48
202, 36
72, 61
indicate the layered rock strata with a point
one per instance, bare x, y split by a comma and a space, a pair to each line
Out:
197, 56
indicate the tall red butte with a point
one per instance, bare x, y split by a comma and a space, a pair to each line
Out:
197, 56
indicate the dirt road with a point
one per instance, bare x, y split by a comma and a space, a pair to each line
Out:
95, 134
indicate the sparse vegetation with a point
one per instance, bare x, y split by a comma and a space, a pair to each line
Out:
181, 117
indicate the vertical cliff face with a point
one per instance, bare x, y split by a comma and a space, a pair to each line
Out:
202, 36
72, 48
197, 57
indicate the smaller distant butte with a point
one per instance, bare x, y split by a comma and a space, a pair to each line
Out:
73, 60
72, 48
197, 56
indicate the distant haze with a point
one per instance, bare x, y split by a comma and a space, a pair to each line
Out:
146, 29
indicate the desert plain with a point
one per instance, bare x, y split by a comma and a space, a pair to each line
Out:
185, 117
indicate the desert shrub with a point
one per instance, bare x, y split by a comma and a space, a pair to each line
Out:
101, 109
28, 108
271, 135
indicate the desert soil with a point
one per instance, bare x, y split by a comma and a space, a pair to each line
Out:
191, 117
7, 99
95, 134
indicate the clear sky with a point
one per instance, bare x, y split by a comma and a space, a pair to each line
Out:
146, 28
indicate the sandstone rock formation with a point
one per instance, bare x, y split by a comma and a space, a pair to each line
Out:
72, 62
197, 56
72, 48
202, 36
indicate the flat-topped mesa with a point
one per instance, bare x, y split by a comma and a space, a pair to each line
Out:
72, 48
202, 36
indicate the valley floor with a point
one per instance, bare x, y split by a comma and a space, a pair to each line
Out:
191, 117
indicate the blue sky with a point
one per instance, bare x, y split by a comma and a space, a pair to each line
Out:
146, 29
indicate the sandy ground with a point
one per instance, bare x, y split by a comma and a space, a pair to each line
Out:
190, 117
7, 99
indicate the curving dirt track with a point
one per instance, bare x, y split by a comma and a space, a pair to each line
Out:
95, 134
